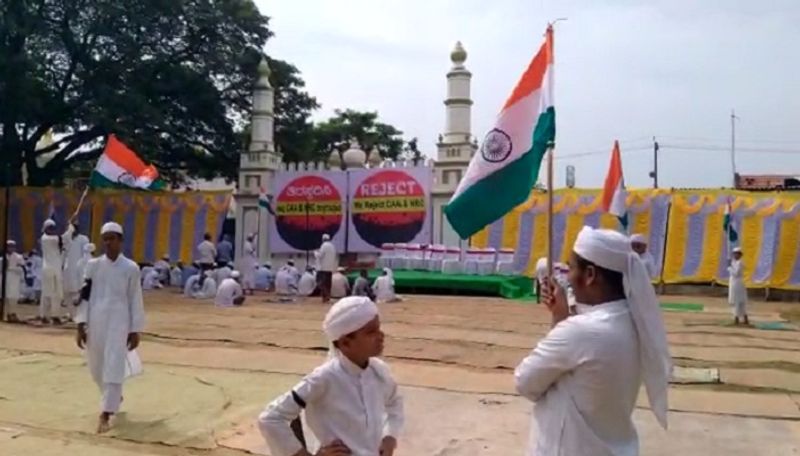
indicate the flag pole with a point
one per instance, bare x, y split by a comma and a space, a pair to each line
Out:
550, 147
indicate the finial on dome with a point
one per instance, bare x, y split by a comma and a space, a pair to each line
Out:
458, 55
263, 67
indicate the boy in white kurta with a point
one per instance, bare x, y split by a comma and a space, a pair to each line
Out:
737, 291
14, 276
352, 404
54, 248
110, 321
229, 292
73, 277
208, 289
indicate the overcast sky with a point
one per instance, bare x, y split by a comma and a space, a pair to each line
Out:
625, 69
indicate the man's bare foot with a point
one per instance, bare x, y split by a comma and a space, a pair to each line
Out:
104, 423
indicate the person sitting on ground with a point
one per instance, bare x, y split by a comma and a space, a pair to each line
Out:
353, 386
308, 282
285, 281
230, 292
340, 287
384, 287
208, 289
265, 278
176, 275
222, 272
361, 286
163, 268
192, 284
151, 280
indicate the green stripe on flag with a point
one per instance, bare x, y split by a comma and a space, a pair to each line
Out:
97, 180
498, 193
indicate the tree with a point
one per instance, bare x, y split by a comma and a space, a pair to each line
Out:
336, 133
172, 79
293, 107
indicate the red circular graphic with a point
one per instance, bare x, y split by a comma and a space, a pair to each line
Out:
306, 208
389, 206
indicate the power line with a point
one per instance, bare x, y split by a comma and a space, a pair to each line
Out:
711, 148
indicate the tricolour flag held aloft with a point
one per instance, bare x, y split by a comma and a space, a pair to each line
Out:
728, 225
263, 201
614, 189
505, 169
121, 167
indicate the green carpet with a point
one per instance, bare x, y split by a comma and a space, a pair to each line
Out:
772, 326
682, 307
509, 287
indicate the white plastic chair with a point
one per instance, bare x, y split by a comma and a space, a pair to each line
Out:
452, 263
399, 259
487, 261
387, 256
471, 260
415, 257
505, 262
435, 257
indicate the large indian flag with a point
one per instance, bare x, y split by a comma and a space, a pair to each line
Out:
121, 167
506, 168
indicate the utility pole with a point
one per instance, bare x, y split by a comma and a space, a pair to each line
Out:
733, 145
654, 172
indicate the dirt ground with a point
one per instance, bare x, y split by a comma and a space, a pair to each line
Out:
208, 373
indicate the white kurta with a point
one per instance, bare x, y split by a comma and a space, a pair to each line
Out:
151, 280
175, 277
114, 310
737, 291
584, 377
163, 269
73, 276
228, 290
14, 276
206, 253
342, 401
191, 285
650, 264
81, 266
53, 264
384, 288
222, 273
307, 285
249, 265
285, 282
208, 290
327, 258
340, 287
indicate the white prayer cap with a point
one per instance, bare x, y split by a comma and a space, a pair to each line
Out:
235, 275
326, 237
341, 269
165, 257
347, 316
612, 250
111, 227
49, 223
89, 248
737, 250
11, 242
638, 239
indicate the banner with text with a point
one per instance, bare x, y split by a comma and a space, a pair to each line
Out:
307, 205
389, 205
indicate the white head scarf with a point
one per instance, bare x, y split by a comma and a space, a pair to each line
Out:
737, 250
326, 237
347, 316
111, 227
612, 250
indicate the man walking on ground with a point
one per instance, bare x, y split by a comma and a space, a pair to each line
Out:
737, 291
110, 320
14, 276
206, 254
53, 249
584, 375
328, 262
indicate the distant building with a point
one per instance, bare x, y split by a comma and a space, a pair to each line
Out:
767, 182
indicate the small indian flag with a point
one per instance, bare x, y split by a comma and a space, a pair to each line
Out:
121, 167
506, 168
263, 201
614, 189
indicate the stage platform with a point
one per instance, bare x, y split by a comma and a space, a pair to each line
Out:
411, 281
